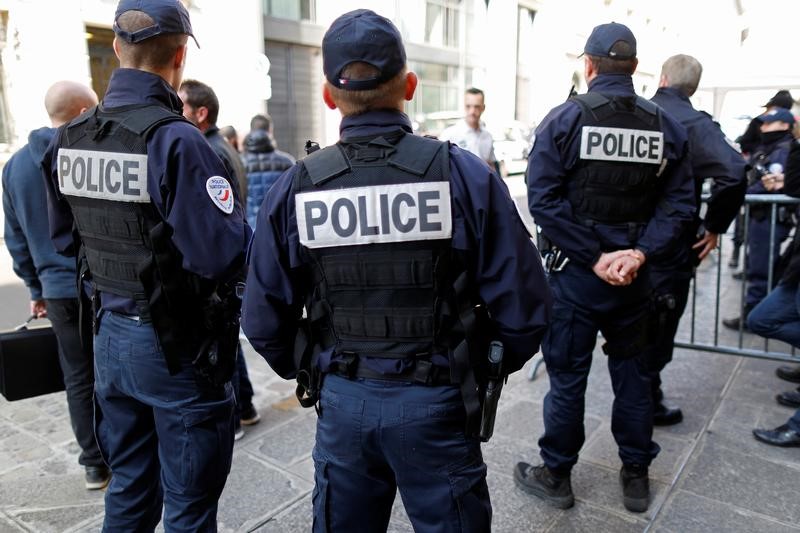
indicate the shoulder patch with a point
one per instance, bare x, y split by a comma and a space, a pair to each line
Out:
221, 193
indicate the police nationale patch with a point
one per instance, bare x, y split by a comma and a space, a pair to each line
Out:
221, 193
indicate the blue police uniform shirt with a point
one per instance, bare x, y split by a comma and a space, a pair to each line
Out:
775, 152
555, 154
507, 268
179, 162
710, 156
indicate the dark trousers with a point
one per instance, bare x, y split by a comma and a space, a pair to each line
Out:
168, 439
375, 437
77, 366
583, 305
242, 388
758, 265
670, 295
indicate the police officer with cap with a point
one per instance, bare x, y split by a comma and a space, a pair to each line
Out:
399, 248
711, 156
608, 183
138, 194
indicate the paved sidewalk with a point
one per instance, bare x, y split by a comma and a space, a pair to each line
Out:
710, 476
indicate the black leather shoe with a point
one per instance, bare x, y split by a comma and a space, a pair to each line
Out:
789, 373
780, 436
738, 276
635, 488
540, 481
97, 477
789, 399
736, 322
664, 415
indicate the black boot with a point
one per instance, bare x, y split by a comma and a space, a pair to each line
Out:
739, 322
635, 488
734, 260
542, 482
789, 373
664, 415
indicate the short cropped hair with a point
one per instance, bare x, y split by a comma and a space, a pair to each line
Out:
385, 96
609, 65
260, 122
683, 73
475, 90
198, 94
155, 52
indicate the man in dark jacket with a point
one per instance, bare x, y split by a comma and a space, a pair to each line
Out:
263, 164
201, 108
50, 277
711, 156
778, 317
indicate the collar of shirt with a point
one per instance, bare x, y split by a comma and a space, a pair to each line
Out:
210, 131
613, 84
671, 92
129, 86
373, 123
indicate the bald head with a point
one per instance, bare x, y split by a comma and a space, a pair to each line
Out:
66, 100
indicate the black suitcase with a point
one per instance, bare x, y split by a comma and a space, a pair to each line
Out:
29, 363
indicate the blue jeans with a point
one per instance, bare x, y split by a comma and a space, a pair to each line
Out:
168, 439
778, 315
375, 437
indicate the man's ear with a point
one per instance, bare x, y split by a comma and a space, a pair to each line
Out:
411, 85
115, 46
201, 114
180, 56
326, 96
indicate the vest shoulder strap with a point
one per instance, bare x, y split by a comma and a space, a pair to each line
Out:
325, 164
647, 106
415, 154
147, 118
594, 104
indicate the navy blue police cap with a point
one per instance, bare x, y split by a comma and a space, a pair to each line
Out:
605, 36
362, 35
169, 16
778, 114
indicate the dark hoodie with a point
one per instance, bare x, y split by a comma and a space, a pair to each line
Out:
27, 234
264, 164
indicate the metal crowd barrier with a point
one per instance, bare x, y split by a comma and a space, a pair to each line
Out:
715, 339
744, 343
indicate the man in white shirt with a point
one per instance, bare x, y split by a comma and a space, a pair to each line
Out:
468, 133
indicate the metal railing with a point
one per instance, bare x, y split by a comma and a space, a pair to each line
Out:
744, 343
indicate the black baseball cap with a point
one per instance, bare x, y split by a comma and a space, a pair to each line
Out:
782, 98
169, 16
362, 35
604, 37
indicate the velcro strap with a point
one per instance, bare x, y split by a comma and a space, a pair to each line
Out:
325, 164
382, 323
379, 270
415, 154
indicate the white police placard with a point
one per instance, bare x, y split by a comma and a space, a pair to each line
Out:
103, 175
380, 213
221, 193
622, 144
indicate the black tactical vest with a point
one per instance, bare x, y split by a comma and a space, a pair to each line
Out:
620, 160
374, 215
102, 169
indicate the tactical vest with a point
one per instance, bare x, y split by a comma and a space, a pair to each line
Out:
374, 216
103, 175
621, 157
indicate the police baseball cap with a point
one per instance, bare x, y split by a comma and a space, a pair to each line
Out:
782, 98
169, 16
362, 35
778, 114
605, 36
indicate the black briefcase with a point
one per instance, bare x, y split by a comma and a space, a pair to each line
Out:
29, 364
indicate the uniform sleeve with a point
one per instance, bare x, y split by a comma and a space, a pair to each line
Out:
507, 266
677, 206
58, 212
16, 241
546, 179
273, 298
791, 183
213, 243
714, 158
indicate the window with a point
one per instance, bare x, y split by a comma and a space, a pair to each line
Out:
438, 89
291, 9
443, 22
102, 60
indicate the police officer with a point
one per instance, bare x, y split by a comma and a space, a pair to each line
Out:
389, 241
710, 156
159, 236
765, 177
608, 183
